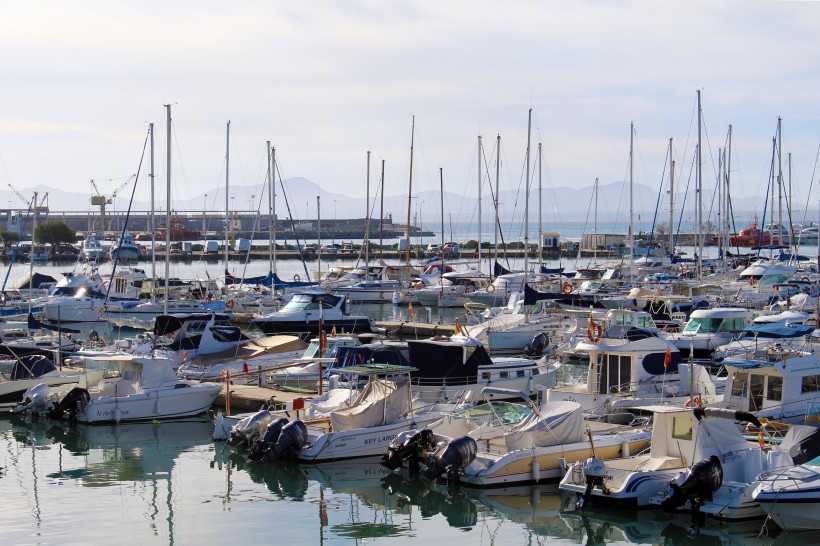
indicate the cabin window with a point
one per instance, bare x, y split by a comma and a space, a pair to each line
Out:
681, 428
810, 383
774, 391
739, 384
732, 324
485, 376
756, 385
521, 373
504, 375
646, 322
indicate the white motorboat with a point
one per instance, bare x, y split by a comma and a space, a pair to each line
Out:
304, 312
93, 251
791, 496
120, 388
453, 289
247, 362
705, 445
499, 291
532, 450
307, 370
708, 329
127, 251
82, 298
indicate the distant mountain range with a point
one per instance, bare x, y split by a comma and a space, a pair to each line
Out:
558, 204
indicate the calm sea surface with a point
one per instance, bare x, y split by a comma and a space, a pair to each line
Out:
168, 483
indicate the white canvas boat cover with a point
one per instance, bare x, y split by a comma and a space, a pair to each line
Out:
554, 424
381, 403
330, 401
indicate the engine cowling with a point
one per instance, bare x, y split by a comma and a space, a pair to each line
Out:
292, 439
452, 458
701, 481
411, 445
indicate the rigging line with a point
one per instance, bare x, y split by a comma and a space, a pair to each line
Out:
586, 222
292, 223
125, 224
685, 195
657, 206
811, 184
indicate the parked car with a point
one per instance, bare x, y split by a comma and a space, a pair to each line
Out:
433, 249
451, 248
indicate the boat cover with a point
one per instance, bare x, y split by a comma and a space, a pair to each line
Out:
802, 443
554, 424
381, 403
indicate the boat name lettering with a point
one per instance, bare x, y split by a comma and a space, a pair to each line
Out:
380, 439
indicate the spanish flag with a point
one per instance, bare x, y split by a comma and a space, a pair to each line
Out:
667, 359
410, 310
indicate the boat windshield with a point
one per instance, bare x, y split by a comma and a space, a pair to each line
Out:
305, 302
702, 325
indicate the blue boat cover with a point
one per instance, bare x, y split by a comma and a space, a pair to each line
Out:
779, 329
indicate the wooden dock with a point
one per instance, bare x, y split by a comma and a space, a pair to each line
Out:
245, 398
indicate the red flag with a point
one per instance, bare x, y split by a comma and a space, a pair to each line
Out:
667, 359
411, 311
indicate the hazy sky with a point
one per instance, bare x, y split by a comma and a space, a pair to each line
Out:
326, 81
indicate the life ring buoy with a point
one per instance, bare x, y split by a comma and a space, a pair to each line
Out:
595, 332
229, 304
567, 288
491, 289
297, 278
697, 400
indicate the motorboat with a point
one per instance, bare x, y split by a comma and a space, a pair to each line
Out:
499, 291
307, 310
791, 496
120, 388
247, 362
81, 298
453, 289
760, 335
530, 451
19, 375
127, 251
708, 329
93, 251
307, 370
750, 236
706, 440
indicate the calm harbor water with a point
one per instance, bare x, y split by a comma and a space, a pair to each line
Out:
169, 484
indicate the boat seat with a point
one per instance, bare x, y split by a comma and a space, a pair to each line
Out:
122, 387
660, 463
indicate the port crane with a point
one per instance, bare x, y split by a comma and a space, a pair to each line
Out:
101, 200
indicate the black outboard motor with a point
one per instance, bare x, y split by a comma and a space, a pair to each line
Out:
292, 439
595, 473
72, 404
261, 444
452, 458
703, 479
412, 446
535, 348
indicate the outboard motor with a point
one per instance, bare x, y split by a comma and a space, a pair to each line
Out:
292, 439
595, 473
411, 446
259, 445
36, 401
72, 404
703, 479
452, 458
536, 347
248, 427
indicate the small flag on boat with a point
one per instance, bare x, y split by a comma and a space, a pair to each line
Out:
333, 332
667, 359
185, 355
410, 310
458, 328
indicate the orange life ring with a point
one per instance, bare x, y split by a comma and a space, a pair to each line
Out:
595, 332
229, 304
567, 288
698, 402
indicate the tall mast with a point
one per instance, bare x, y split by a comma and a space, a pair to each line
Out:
699, 192
478, 248
410, 191
728, 188
31, 254
527, 201
779, 180
227, 193
381, 216
497, 176
540, 226
167, 206
319, 235
273, 206
367, 217
671, 201
631, 215
441, 249
271, 213
152, 224
595, 226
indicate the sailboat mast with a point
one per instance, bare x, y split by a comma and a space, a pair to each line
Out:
272, 245
152, 224
631, 202
779, 180
497, 176
167, 207
595, 227
227, 193
273, 207
478, 246
410, 191
319, 236
671, 201
381, 216
527, 200
728, 188
367, 217
540, 226
699, 191
31, 253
